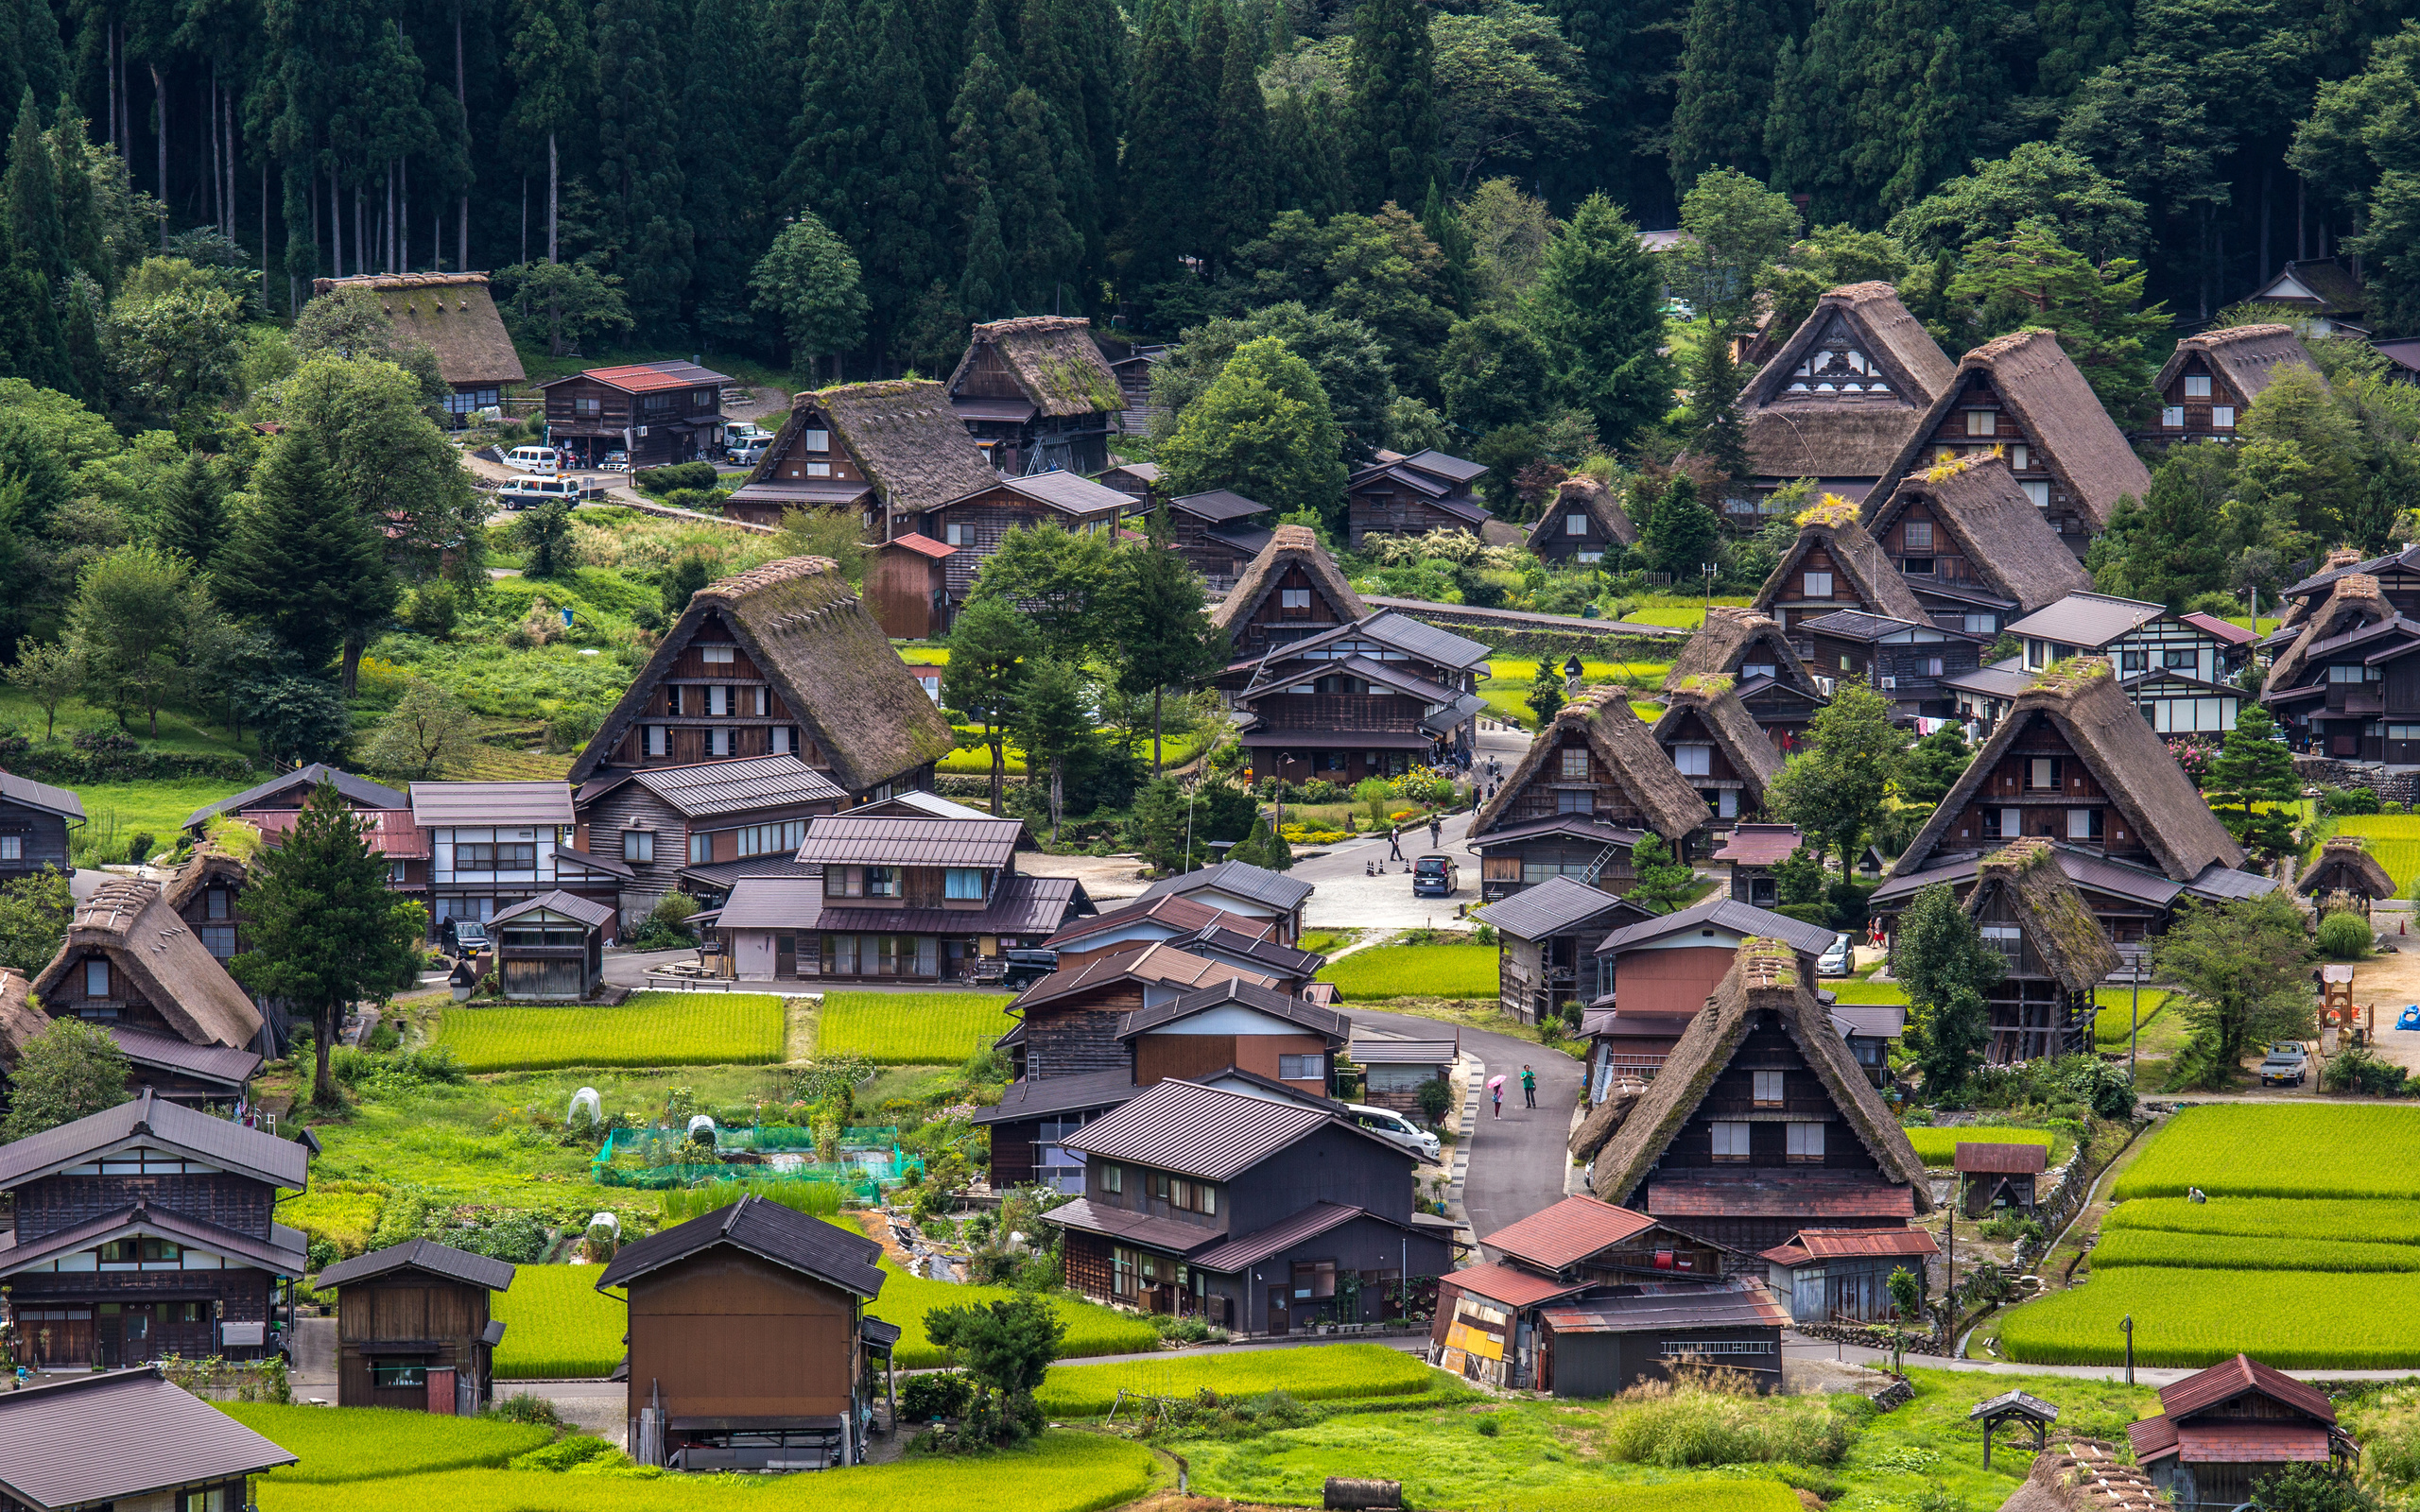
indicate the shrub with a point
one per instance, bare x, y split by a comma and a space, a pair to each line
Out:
2348, 801
2357, 1069
938, 1394
678, 475
1436, 1097
1675, 1426
2343, 936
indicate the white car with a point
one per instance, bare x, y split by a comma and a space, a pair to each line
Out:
527, 493
544, 460
1388, 1125
1838, 961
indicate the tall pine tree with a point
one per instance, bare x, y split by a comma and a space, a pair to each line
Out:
640, 176
554, 59
905, 219
192, 511
720, 143
1628, 50
1167, 120
299, 564
1598, 306
31, 195
1725, 84
1240, 194
1391, 74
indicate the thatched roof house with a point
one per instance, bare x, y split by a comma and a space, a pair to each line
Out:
1840, 398
1707, 710
889, 449
1051, 358
158, 976
20, 1020
2356, 602
453, 316
862, 718
1732, 640
1253, 613
1587, 503
1666, 1152
2241, 359
1835, 564
1632, 771
1979, 530
2022, 883
2345, 864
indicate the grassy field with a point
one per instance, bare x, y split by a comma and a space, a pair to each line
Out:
651, 1029
1685, 612
558, 1325
1854, 992
115, 812
2292, 1319
1091, 1329
2287, 1151
344, 1444
1416, 971
910, 1029
344, 1214
2114, 1023
1939, 1146
2317, 1218
1332, 1372
2395, 839
2122, 1247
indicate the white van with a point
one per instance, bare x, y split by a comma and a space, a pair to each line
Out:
527, 493
747, 451
540, 459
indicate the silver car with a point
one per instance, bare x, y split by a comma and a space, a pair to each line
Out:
1839, 960
1388, 1125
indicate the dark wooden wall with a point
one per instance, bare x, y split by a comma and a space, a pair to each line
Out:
399, 1308
725, 1334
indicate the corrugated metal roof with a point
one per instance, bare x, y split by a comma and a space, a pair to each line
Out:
728, 874
2216, 881
837, 841
1761, 844
1445, 465
1567, 1233
1857, 625
1070, 492
2207, 1388
593, 860
1159, 962
90, 1439
221, 1063
595, 915
1197, 1130
1253, 946
1236, 991
649, 377
1884, 1020
282, 1254
1782, 1194
1414, 637
40, 795
1218, 506
1512, 1286
358, 791
1581, 825
1060, 1094
1263, 1243
2087, 621
732, 787
421, 1254
1726, 913
783, 1235
923, 804
1237, 879
1374, 1051
772, 902
153, 1120
1135, 1227
924, 545
1993, 682
1999, 1159
1674, 1311
1836, 1244
1553, 906
2151, 1438
443, 805
391, 832
1021, 906
2250, 1443
2212, 626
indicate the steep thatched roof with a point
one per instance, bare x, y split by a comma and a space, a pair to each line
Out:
208, 864
2344, 864
1763, 978
1733, 636
2245, 357
1605, 1119
2080, 444
2085, 1475
2057, 924
1289, 546
452, 315
130, 922
1798, 430
2356, 602
1856, 555
1627, 747
811, 635
1053, 361
1715, 702
2081, 700
20, 1020
902, 433
1582, 493
2001, 534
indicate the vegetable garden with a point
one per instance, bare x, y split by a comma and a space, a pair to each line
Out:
651, 1029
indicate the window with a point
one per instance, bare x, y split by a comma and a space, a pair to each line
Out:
656, 740
716, 655
963, 883
1694, 761
656, 404
845, 882
1983, 422
1982, 624
719, 742
215, 904
1819, 584
953, 534
2038, 492
1314, 1279
2017, 457
2197, 385
2172, 417
812, 439
2132, 661
1112, 1178
1681, 1346
1804, 1143
484, 856
1731, 1142
2179, 657
1575, 524
882, 882
1917, 566
819, 469
1294, 599
1767, 1088
398, 1374
2348, 674
97, 979
1931, 665
587, 405
2403, 731
2223, 417
2041, 772
1920, 535
219, 939
1575, 763
2083, 824
701, 398
1301, 1068
13, 848
1757, 669
771, 839
1575, 800
2009, 940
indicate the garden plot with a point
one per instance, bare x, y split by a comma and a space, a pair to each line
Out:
651, 1029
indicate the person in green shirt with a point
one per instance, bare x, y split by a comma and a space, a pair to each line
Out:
1528, 1087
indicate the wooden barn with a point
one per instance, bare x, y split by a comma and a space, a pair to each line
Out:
1394, 1071
35, 821
551, 948
1037, 396
2330, 295
454, 315
1766, 671
659, 413
1290, 591
1547, 964
1602, 1345
2053, 951
1843, 1275
415, 1330
1843, 395
2223, 1431
131, 967
883, 451
908, 583
1998, 1175
1220, 532
1834, 564
972, 525
1976, 551
1716, 747
1416, 494
2345, 868
1754, 852
1592, 784
1581, 524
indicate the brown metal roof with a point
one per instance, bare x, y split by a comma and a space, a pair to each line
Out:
2015, 1159
1195, 1130
594, 915
768, 1230
439, 805
1567, 1233
2250, 1443
1021, 906
1678, 1308
1060, 1094
358, 791
1761, 844
1242, 992
1135, 1227
1839, 1243
1160, 962
421, 1254
2207, 1388
156, 1123
1780, 1194
1377, 1051
1264, 1244
1511, 1286
91, 1439
391, 832
220, 1063
282, 1254
837, 841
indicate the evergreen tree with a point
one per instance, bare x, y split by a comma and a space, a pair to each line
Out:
1307, 146
984, 288
1631, 52
1726, 81
978, 127
1880, 104
810, 281
1053, 723
555, 62
31, 195
1939, 953
1598, 306
1836, 791
1935, 764
641, 177
723, 201
1717, 432
1442, 224
1493, 374
1659, 884
1680, 537
1043, 249
1167, 120
1391, 77
2168, 548
2252, 766
900, 245
1241, 191
1051, 42
1546, 696
300, 564
192, 511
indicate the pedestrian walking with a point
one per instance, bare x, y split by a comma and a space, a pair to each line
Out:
1394, 842
1436, 833
1498, 1090
1528, 1087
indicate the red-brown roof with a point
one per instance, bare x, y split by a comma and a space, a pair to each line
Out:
1796, 1193
642, 378
2232, 634
2152, 1438
1761, 844
2206, 1389
2268, 1443
2016, 1160
925, 545
1183, 914
1514, 1288
1834, 1244
1569, 1231
391, 832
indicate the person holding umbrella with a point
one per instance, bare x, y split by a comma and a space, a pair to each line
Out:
1495, 1086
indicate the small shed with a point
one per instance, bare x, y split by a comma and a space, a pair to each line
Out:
1754, 853
907, 586
551, 946
2000, 1175
414, 1329
37, 821
1843, 1275
2345, 865
1393, 1070
1600, 1345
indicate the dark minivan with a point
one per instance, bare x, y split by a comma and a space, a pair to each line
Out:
1434, 876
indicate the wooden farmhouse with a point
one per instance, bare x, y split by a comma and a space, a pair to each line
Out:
1838, 403
1139, 481
2054, 954
2074, 764
2020, 393
1766, 672
2345, 868
1834, 564
2222, 1431
131, 967
1974, 549
1292, 592
454, 315
1651, 979
1911, 663
1372, 698
972, 525
1416, 494
782, 659
289, 790
657, 413
1241, 887
699, 827
908, 585
125, 1440
1754, 853
1593, 784
492, 845
1760, 1125
1716, 747
1220, 533
414, 1328
35, 822
1068, 1023
2330, 295
2348, 685
551, 948
1037, 396
2213, 376
1843, 1275
148, 1229
885, 451
2176, 671
1581, 524
1215, 934
1547, 964
750, 1342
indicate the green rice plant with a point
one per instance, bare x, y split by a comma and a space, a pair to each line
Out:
1324, 1373
2122, 1247
345, 1213
2394, 839
680, 1204
1416, 970
1091, 1329
1677, 1496
651, 1029
910, 1029
1060, 1472
345, 1444
2292, 1319
1854, 992
558, 1326
2295, 1150
2377, 1223
1939, 1146
2115, 1020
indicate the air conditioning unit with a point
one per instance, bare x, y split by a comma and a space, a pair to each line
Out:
1890, 682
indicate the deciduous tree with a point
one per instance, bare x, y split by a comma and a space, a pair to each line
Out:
34, 910
2242, 970
1155, 622
1051, 721
987, 648
51, 674
136, 611
69, 1070
1836, 790
427, 735
1265, 430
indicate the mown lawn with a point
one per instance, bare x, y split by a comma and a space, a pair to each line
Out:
651, 1029
1416, 970
910, 1029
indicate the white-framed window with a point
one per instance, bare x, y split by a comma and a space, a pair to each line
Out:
953, 534
1731, 1140
963, 883
638, 845
2042, 773
2038, 492
2221, 416
97, 979
13, 848
1757, 669
2172, 417
1301, 1068
719, 741
1575, 763
1585, 557
2083, 824
2011, 823
1981, 624
1112, 1178
819, 469
1575, 524
771, 839
2342, 673
715, 655
2197, 385
812, 439
1983, 422
701, 850
1805, 1142
1766, 1088
1819, 584
656, 740
2179, 657
2018, 455
1920, 535
1694, 761
782, 733
1294, 598
1933, 665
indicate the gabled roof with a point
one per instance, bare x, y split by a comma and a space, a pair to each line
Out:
922, 545
132, 923
2321, 282
1668, 1307
1216, 506
2049, 399
1839, 1243
1985, 1159
89, 1440
595, 915
1567, 1234
389, 833
902, 434
1763, 978
1253, 943
1456, 470
1263, 1243
1718, 709
837, 841
1053, 360
2081, 700
767, 1229
1510, 1285
1844, 435
436, 805
2356, 602
2003, 536
705, 789
1174, 912
811, 636
2245, 356
1236, 878
1734, 636
1553, 906
420, 1254
1041, 1097
1855, 556
2225, 631
2059, 926
453, 315
912, 804
1622, 741
2229, 1378
1760, 845
1242, 992
1587, 495
156, 1123
645, 377
358, 791
1159, 962
1289, 546
1728, 915
2344, 862
1070, 493
1857, 625
35, 794
283, 1252
1195, 1131
2087, 621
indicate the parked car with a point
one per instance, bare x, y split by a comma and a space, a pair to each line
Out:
527, 493
616, 462
462, 936
1435, 876
1026, 968
746, 448
1838, 961
544, 460
2286, 1064
1391, 1125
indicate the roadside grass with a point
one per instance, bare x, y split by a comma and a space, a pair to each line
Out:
910, 1029
336, 1445
1416, 970
1330, 1372
558, 1325
651, 1029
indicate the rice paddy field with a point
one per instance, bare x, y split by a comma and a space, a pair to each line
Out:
910, 1029
1091, 1329
345, 1213
1939, 1146
2292, 1319
557, 1325
336, 1445
2272, 1217
1416, 970
2164, 1248
651, 1029
1328, 1372
2300, 1150
2393, 838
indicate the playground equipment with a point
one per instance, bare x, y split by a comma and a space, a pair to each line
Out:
2337, 1011
2411, 1019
